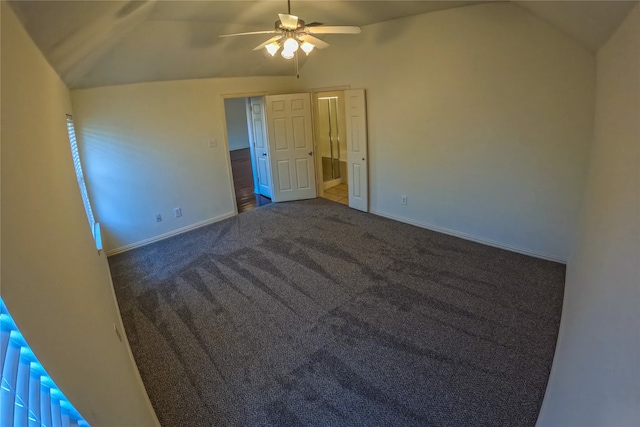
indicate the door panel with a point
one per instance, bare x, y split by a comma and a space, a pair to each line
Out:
357, 185
280, 134
284, 175
278, 106
291, 141
299, 133
261, 151
355, 137
355, 107
302, 173
263, 170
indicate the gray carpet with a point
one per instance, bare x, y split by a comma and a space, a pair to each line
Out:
313, 314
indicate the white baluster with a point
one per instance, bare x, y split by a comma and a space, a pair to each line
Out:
9, 377
21, 414
34, 396
45, 403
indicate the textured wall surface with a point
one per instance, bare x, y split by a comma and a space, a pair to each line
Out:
54, 283
481, 115
594, 381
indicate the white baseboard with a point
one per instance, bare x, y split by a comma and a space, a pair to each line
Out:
169, 234
332, 183
125, 340
469, 237
426, 226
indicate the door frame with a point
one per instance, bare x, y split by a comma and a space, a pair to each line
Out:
313, 92
224, 96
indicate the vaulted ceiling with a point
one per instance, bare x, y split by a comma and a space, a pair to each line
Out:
98, 43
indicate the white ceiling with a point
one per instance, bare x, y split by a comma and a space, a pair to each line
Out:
98, 43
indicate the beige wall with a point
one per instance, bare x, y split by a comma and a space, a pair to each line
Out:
146, 151
481, 115
595, 380
54, 282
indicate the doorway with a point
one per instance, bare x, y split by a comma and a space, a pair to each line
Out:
287, 161
246, 136
331, 146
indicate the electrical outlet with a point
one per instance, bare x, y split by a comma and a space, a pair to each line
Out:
213, 142
158, 218
404, 200
177, 212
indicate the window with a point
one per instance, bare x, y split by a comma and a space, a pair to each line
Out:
28, 395
95, 227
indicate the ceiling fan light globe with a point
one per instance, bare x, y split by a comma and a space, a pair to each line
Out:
291, 45
287, 54
307, 47
272, 48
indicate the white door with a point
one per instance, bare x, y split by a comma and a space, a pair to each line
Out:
261, 148
357, 171
291, 147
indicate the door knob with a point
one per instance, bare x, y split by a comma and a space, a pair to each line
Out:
363, 159
264, 154
311, 153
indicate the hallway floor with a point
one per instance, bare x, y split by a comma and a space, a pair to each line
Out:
246, 199
339, 193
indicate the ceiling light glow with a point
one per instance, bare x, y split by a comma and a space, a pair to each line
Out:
307, 47
291, 45
287, 54
272, 48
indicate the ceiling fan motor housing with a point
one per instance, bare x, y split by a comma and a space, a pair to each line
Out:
279, 27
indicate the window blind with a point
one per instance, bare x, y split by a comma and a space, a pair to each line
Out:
28, 395
79, 175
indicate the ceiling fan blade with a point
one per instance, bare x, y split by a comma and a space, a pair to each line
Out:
314, 41
289, 22
249, 33
314, 24
271, 40
333, 29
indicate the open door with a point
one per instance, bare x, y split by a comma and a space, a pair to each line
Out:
291, 147
261, 149
356, 124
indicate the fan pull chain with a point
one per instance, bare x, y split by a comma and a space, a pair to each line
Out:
296, 60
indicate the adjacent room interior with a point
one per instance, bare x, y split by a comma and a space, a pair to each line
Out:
331, 141
246, 134
482, 266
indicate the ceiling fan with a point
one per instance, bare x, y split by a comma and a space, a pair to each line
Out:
292, 33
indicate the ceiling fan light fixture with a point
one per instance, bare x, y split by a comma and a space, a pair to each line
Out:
287, 54
272, 48
307, 47
292, 34
291, 45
